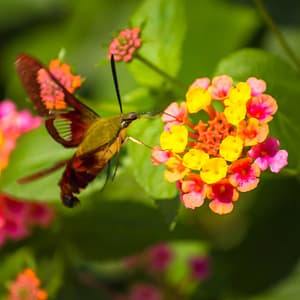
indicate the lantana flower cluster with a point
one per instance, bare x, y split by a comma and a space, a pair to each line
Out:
216, 143
17, 217
27, 286
125, 44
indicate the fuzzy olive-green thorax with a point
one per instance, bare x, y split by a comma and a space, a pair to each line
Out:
105, 131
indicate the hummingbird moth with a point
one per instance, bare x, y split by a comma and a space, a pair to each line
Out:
72, 124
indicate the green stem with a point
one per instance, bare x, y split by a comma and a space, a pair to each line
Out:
272, 26
290, 172
159, 71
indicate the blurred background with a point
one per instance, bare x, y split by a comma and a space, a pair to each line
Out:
253, 252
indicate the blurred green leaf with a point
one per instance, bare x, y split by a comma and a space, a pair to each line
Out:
51, 271
292, 37
12, 14
149, 176
139, 99
163, 29
215, 29
288, 289
34, 152
169, 209
107, 229
269, 251
14, 263
282, 83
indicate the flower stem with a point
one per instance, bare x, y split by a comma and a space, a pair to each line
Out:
160, 71
273, 27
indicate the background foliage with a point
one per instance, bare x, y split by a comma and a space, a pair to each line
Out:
255, 250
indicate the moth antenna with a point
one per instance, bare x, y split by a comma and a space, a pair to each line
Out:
115, 79
151, 114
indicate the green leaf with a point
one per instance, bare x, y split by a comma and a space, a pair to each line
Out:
34, 152
169, 209
163, 30
109, 229
215, 29
282, 83
149, 176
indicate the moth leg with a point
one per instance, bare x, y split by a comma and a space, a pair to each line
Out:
116, 167
107, 175
139, 142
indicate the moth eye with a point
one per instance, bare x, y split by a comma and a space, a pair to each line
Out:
132, 116
125, 123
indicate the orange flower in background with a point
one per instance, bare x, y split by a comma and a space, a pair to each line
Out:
223, 156
26, 287
51, 94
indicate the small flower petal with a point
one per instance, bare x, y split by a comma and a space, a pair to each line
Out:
213, 170
258, 86
194, 159
231, 148
221, 85
175, 114
262, 107
278, 161
174, 140
197, 99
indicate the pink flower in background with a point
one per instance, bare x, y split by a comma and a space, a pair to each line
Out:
125, 44
40, 214
18, 217
157, 265
143, 291
12, 125
200, 267
159, 257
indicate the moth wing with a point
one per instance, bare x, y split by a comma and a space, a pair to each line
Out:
66, 121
